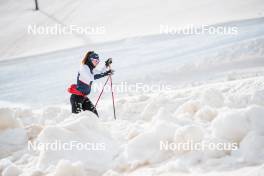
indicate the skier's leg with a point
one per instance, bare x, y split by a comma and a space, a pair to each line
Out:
76, 103
88, 105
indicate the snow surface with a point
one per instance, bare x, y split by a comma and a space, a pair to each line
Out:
120, 19
215, 95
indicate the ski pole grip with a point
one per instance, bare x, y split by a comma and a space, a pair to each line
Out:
108, 62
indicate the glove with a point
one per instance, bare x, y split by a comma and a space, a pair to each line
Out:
108, 62
109, 72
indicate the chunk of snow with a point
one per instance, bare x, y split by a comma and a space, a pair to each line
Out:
251, 148
256, 118
189, 107
91, 144
213, 97
66, 168
12, 140
189, 133
235, 124
8, 119
186, 136
11, 170
145, 148
232, 125
258, 97
206, 113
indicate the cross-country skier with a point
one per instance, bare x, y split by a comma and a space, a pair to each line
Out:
86, 76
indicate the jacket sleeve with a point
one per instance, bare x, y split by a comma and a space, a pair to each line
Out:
99, 73
98, 76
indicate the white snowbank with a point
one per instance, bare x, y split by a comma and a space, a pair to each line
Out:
206, 113
258, 97
189, 133
11, 170
251, 148
133, 142
234, 125
12, 140
12, 135
255, 116
91, 144
145, 148
211, 107
213, 98
66, 168
8, 119
188, 109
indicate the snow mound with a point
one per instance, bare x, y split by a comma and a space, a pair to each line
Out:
88, 140
256, 119
258, 97
206, 113
13, 136
12, 140
134, 140
8, 119
189, 108
189, 133
11, 170
66, 168
225, 126
251, 148
213, 97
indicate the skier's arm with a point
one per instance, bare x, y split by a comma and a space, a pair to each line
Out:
104, 71
100, 75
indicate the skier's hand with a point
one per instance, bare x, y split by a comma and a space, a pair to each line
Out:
108, 62
109, 72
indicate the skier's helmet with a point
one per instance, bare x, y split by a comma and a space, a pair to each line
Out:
94, 56
89, 57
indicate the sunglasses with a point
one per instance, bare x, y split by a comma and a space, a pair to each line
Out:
96, 61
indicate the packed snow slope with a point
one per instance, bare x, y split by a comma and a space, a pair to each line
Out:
174, 60
214, 95
120, 19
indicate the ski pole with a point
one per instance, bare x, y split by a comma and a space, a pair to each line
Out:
113, 100
101, 93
